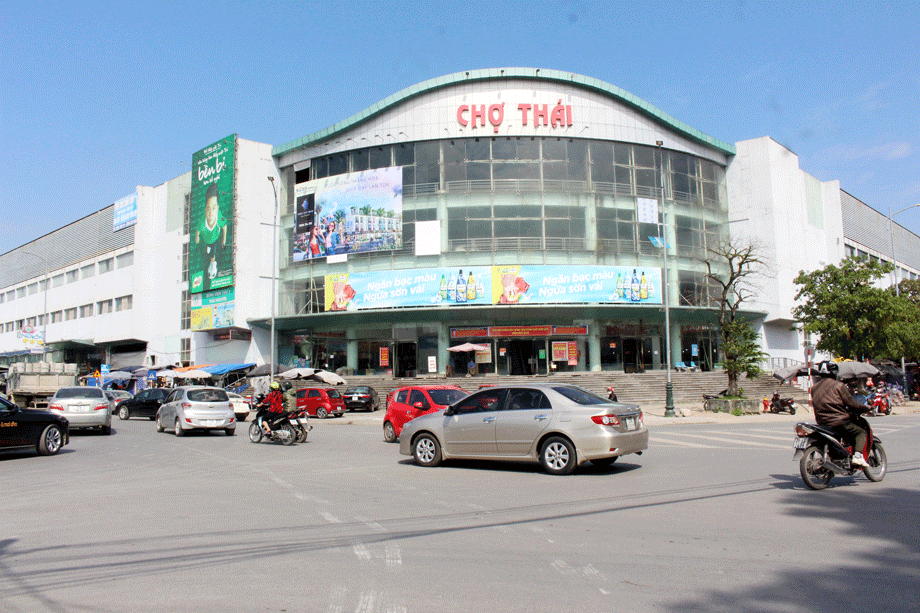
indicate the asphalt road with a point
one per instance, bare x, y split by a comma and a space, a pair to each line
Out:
714, 517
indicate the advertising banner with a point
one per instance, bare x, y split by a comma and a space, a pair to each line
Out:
32, 338
356, 212
125, 212
212, 310
210, 264
486, 285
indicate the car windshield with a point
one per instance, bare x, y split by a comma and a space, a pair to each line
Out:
207, 395
358, 390
79, 392
334, 393
580, 396
446, 396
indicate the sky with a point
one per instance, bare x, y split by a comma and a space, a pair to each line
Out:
97, 98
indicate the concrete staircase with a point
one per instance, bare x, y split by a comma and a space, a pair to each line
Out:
642, 389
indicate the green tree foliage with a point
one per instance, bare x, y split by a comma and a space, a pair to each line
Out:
854, 318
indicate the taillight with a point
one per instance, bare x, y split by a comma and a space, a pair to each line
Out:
100, 407
186, 405
55, 407
802, 430
606, 420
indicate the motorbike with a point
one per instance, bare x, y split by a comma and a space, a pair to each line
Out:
821, 454
779, 405
300, 421
880, 401
280, 429
611, 394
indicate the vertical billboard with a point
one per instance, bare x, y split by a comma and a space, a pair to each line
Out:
210, 254
355, 212
124, 213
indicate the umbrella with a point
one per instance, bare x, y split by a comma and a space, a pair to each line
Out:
845, 370
297, 373
167, 374
195, 373
468, 347
261, 371
118, 375
324, 376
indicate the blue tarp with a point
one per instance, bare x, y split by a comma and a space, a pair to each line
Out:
222, 369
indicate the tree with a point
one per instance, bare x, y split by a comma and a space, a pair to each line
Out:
854, 318
730, 269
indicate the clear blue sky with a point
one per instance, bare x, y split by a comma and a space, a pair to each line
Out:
97, 98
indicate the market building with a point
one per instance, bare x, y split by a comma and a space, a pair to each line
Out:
553, 220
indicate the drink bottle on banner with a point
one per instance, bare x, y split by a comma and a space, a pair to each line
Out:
619, 285
452, 289
643, 287
461, 288
442, 289
471, 287
634, 295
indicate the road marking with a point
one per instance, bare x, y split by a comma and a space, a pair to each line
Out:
733, 440
332, 519
657, 439
361, 551
394, 557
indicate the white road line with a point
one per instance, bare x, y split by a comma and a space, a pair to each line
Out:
732, 441
332, 519
361, 551
657, 439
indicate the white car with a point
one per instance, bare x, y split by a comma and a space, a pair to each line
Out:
241, 407
196, 408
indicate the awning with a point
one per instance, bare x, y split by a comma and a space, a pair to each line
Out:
222, 369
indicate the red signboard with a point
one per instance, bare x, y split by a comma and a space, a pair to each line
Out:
384, 356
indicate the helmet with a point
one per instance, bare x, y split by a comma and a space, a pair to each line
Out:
828, 369
275, 385
287, 385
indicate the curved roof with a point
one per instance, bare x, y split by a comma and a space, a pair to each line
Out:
497, 74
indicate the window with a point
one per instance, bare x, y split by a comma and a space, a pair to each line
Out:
185, 320
70, 314
125, 259
104, 306
106, 265
32, 288
21, 292
185, 214
30, 321
57, 280
43, 285
9, 326
487, 400
73, 276
2, 297
87, 271
86, 311
124, 303
41, 320
524, 399
11, 295
57, 317
185, 262
185, 351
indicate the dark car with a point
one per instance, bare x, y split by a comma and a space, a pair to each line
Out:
144, 404
361, 397
42, 431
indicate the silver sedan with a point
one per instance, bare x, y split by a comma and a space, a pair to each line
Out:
560, 426
196, 408
84, 407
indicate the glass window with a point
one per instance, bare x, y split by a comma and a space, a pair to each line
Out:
555, 171
70, 314
624, 175
454, 172
11, 295
32, 288
580, 396
554, 149
427, 173
647, 178
454, 151
478, 171
21, 292
622, 154
319, 167
86, 311
57, 280
338, 164
603, 174
478, 149
504, 149
104, 306
404, 155
124, 303
360, 160
526, 210
87, 271
601, 154
208, 395
528, 149
185, 317
185, 350
486, 400
418, 399
479, 228
125, 259
645, 156
106, 265
428, 152
380, 157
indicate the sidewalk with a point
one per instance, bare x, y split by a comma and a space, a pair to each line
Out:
692, 413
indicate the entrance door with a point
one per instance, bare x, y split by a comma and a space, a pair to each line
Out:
637, 354
406, 359
521, 358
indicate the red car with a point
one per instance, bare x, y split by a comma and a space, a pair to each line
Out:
320, 401
406, 403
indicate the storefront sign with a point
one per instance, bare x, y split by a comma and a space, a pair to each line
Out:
518, 331
573, 353
384, 356
502, 285
560, 351
432, 364
525, 113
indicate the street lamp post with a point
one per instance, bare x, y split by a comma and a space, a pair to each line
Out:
274, 276
897, 290
669, 387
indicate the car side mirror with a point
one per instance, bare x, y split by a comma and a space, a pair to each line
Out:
448, 411
419, 405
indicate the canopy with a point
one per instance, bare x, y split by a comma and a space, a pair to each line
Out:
167, 374
118, 375
324, 376
195, 373
222, 369
845, 370
466, 347
263, 370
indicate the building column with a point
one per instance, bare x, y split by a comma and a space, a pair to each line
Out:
675, 343
594, 346
351, 349
443, 344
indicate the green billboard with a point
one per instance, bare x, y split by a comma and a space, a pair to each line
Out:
210, 253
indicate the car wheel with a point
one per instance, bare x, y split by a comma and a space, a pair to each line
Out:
51, 441
558, 456
177, 428
107, 430
123, 413
230, 431
427, 450
322, 413
160, 427
389, 432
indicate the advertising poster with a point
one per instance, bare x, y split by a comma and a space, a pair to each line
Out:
356, 212
210, 263
560, 351
213, 309
485, 285
125, 212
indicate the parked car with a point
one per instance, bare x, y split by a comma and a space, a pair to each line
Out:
560, 426
196, 407
362, 397
406, 403
320, 401
241, 406
84, 407
23, 429
143, 404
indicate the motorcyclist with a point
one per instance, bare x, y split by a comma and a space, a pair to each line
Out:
289, 397
611, 394
272, 406
835, 408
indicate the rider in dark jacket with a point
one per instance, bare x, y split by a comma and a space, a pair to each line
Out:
835, 407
